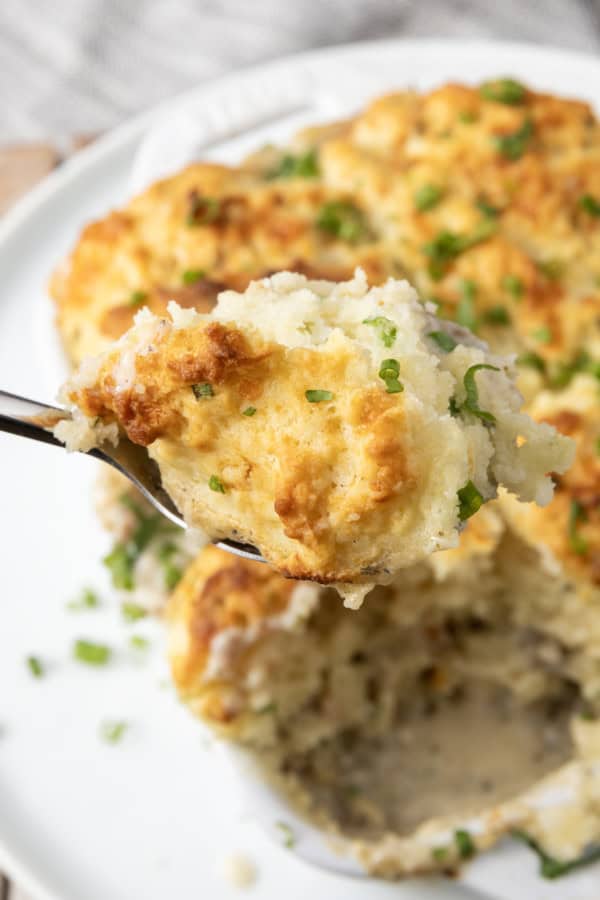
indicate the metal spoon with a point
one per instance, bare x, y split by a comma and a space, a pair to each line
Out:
30, 419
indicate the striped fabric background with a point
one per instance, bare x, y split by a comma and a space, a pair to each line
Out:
77, 67
83, 65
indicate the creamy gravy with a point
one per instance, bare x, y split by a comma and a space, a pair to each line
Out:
463, 754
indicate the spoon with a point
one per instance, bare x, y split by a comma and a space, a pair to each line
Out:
30, 419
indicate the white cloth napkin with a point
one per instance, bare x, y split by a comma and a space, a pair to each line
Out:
77, 66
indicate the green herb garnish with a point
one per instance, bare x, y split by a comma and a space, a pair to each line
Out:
503, 90
464, 843
172, 572
112, 732
133, 612
87, 600
465, 310
439, 853
590, 205
343, 220
389, 371
136, 298
512, 284
317, 396
35, 666
471, 403
531, 361
550, 867
202, 390
443, 340
289, 838
492, 212
467, 117
90, 653
215, 484
543, 335
577, 514
304, 165
122, 559
202, 210
497, 315
249, 411
513, 146
137, 642
447, 245
427, 196
386, 329
469, 501
191, 276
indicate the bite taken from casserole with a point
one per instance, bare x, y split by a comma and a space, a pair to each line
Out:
345, 431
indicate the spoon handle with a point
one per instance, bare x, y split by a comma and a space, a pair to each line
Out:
30, 419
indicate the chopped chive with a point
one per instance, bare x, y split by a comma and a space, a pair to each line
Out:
87, 600
133, 612
267, 709
136, 298
590, 205
464, 843
467, 117
344, 220
443, 340
513, 146
427, 196
471, 403
577, 514
137, 642
543, 335
497, 315
303, 165
465, 310
550, 867
317, 396
112, 732
469, 501
191, 276
289, 838
202, 390
487, 209
453, 407
386, 329
90, 653
35, 666
512, 284
249, 411
172, 573
215, 484
503, 90
447, 245
202, 210
389, 371
439, 853
122, 559
531, 361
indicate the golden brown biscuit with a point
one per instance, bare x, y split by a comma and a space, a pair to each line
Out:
345, 432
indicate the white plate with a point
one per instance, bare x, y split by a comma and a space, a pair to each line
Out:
149, 818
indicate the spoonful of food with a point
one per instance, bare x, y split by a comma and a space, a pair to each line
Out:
30, 419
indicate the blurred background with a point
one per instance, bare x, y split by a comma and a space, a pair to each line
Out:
75, 67
71, 69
